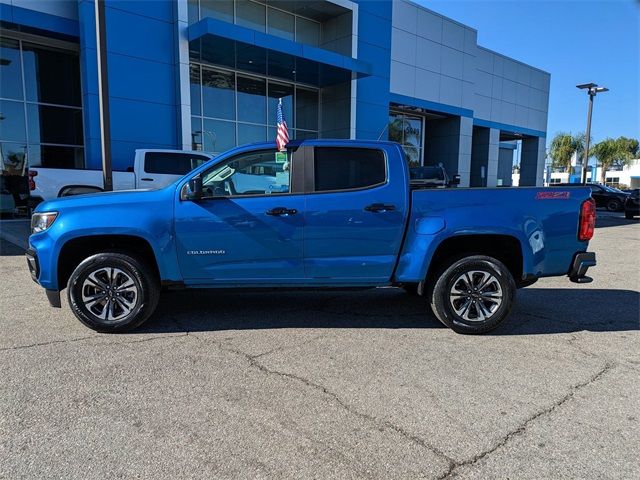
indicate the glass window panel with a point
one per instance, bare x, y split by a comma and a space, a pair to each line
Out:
10, 69
12, 126
220, 9
192, 9
281, 24
51, 76
305, 134
251, 15
285, 92
218, 91
252, 103
253, 173
248, 133
306, 109
348, 168
194, 75
56, 157
307, 31
396, 130
413, 131
196, 133
172, 163
54, 124
218, 135
12, 158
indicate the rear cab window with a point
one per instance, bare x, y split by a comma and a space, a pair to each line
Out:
172, 163
343, 168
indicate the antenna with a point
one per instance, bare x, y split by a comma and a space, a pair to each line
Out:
382, 132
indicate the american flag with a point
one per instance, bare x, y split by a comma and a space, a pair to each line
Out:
282, 136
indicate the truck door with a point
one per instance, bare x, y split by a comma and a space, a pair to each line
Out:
355, 214
158, 168
248, 227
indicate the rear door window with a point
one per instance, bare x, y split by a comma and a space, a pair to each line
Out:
339, 169
170, 163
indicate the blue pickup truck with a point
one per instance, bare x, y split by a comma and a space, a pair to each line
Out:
323, 214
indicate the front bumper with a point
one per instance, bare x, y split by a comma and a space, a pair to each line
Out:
581, 263
34, 268
32, 262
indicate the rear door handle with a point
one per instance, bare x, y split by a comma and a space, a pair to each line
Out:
147, 179
282, 211
380, 207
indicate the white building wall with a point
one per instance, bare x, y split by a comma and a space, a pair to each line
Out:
437, 59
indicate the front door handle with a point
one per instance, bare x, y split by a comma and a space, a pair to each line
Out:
282, 211
147, 179
380, 207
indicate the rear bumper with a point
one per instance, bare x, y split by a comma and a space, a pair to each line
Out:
581, 263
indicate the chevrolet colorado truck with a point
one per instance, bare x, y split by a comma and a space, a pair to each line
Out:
323, 214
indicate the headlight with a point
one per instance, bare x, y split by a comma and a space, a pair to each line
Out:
42, 220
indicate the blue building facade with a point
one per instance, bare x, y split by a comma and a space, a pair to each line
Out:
207, 74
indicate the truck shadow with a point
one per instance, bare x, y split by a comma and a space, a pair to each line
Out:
537, 311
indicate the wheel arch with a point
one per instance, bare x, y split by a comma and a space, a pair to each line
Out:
506, 248
75, 250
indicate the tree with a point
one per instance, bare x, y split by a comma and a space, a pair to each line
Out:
563, 147
614, 152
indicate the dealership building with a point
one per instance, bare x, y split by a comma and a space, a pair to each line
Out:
208, 74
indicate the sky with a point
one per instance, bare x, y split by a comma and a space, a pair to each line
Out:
576, 42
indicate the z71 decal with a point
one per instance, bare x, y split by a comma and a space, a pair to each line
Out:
553, 195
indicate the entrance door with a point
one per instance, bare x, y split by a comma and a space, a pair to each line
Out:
248, 226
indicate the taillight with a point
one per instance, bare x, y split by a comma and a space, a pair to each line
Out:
587, 220
32, 182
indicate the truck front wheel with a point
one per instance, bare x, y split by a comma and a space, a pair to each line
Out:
112, 292
473, 294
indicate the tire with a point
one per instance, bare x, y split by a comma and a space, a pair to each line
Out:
614, 206
118, 280
483, 313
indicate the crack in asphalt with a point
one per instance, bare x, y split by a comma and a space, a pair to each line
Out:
345, 406
42, 344
287, 347
523, 427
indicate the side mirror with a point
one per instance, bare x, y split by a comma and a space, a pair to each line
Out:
454, 181
194, 190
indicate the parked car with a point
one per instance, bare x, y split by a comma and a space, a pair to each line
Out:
343, 215
606, 197
632, 204
151, 169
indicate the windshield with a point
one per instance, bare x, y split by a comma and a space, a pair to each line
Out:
611, 189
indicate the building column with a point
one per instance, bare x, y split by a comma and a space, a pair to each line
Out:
484, 157
448, 141
532, 162
183, 90
89, 79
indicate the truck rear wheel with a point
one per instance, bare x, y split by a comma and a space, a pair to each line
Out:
473, 294
112, 292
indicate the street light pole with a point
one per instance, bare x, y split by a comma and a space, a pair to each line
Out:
592, 90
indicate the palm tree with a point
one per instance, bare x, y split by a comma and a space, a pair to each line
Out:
610, 152
563, 147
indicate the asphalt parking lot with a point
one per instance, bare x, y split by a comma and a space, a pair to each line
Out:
328, 385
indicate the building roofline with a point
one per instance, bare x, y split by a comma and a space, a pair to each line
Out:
512, 59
